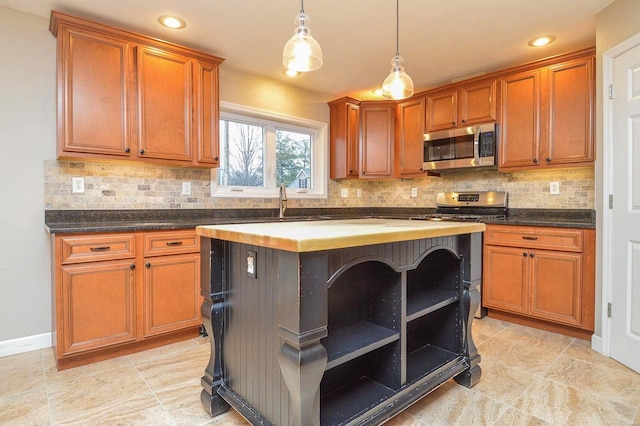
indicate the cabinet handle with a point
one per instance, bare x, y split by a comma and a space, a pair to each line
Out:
421, 169
535, 160
215, 158
350, 171
524, 254
132, 266
127, 150
464, 121
103, 248
453, 123
141, 151
532, 255
174, 243
548, 159
148, 265
526, 237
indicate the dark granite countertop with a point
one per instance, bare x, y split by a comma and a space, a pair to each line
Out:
84, 221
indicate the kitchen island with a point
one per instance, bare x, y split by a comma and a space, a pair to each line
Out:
337, 321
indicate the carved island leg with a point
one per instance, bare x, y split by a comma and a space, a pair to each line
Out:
213, 320
302, 322
468, 378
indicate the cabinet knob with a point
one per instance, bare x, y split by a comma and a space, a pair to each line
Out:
148, 265
548, 159
532, 255
141, 151
524, 254
464, 121
215, 158
132, 266
127, 150
535, 160
350, 171
421, 169
453, 123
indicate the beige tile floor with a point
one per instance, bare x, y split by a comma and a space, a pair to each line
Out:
529, 377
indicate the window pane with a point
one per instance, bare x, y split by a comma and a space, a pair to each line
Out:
241, 154
293, 159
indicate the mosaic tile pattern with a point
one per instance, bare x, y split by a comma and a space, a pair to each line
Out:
529, 377
140, 186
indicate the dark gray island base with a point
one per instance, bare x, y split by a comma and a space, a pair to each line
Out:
351, 335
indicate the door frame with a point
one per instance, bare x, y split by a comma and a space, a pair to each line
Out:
603, 343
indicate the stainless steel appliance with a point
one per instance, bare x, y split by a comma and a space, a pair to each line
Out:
473, 146
469, 207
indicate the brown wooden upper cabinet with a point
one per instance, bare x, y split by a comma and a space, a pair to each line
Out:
461, 106
344, 138
409, 147
547, 116
123, 95
376, 139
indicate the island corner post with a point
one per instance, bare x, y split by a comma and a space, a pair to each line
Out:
337, 336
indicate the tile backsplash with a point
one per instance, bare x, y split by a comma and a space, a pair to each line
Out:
110, 186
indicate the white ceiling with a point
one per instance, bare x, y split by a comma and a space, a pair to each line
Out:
440, 40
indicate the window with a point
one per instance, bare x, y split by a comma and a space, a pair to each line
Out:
260, 150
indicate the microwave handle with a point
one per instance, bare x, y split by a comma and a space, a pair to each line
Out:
476, 146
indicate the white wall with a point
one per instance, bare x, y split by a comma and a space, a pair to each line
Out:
27, 125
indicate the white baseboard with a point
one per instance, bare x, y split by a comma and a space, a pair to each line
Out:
596, 344
25, 344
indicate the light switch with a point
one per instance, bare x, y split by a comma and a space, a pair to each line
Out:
554, 188
344, 192
186, 188
414, 192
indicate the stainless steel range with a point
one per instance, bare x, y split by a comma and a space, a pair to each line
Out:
469, 207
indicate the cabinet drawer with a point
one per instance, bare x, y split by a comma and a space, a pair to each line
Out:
91, 248
171, 242
535, 237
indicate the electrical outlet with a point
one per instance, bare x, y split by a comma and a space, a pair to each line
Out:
344, 192
186, 188
252, 264
77, 185
414, 192
554, 188
358, 192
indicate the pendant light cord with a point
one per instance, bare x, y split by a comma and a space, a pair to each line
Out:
301, 6
397, 27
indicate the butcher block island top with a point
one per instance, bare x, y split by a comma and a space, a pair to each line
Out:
316, 235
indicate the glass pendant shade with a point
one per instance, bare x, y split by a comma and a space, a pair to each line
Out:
398, 84
302, 52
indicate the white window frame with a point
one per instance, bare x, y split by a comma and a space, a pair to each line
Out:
319, 154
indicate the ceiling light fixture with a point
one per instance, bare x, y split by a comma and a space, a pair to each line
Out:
398, 84
172, 22
541, 41
302, 52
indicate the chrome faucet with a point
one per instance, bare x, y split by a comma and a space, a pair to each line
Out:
282, 205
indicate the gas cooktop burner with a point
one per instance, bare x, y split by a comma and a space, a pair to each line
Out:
468, 207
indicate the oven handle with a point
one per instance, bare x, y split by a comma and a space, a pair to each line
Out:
476, 146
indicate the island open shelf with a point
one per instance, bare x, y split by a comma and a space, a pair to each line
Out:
333, 330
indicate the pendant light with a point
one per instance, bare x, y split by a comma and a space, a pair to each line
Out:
302, 52
398, 84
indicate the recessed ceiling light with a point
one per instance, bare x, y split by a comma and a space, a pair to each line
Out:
541, 41
172, 22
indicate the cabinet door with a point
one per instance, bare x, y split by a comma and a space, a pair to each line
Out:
344, 138
410, 138
93, 94
570, 99
478, 103
442, 110
206, 115
506, 278
171, 293
521, 125
164, 105
556, 286
377, 140
96, 306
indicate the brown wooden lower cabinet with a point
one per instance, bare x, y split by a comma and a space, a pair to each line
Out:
541, 277
118, 293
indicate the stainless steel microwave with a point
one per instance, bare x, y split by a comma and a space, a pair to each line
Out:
465, 147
